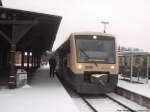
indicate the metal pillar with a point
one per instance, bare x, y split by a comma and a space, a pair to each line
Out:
28, 61
4, 58
32, 60
12, 75
105, 23
131, 73
38, 61
147, 69
35, 61
1, 58
22, 59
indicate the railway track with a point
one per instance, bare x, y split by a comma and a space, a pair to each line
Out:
111, 103
105, 104
99, 103
130, 109
91, 106
84, 105
102, 103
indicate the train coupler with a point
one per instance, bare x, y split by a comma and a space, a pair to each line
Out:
101, 79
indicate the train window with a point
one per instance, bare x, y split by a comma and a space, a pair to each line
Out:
101, 49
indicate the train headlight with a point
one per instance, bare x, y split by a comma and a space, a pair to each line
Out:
112, 67
94, 37
80, 66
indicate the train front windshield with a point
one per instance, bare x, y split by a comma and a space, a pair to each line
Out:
100, 49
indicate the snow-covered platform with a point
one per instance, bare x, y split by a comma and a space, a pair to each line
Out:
141, 89
44, 94
128, 103
137, 92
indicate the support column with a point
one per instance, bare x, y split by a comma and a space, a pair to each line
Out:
35, 61
32, 62
36, 58
38, 61
28, 61
22, 59
1, 58
12, 75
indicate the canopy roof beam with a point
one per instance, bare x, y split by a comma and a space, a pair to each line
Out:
19, 22
5, 36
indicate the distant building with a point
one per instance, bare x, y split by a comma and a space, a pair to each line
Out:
124, 49
134, 65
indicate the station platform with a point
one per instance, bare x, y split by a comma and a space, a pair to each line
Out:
139, 93
44, 94
141, 89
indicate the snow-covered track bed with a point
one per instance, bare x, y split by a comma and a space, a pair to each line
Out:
140, 98
98, 103
110, 102
130, 105
102, 103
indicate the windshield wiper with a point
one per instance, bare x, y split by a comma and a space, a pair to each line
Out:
95, 62
84, 53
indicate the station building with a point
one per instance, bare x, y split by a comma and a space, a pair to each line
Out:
24, 37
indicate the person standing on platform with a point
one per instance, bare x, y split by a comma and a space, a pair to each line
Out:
52, 63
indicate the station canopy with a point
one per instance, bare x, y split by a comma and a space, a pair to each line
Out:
28, 30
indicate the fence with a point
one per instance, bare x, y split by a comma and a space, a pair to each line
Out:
134, 66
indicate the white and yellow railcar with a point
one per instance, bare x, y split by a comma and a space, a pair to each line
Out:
88, 61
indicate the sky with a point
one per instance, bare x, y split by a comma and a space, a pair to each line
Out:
129, 20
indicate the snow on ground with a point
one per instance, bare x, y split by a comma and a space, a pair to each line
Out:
103, 104
43, 95
142, 89
45, 66
82, 106
130, 104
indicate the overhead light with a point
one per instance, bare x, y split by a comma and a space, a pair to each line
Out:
25, 53
30, 53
